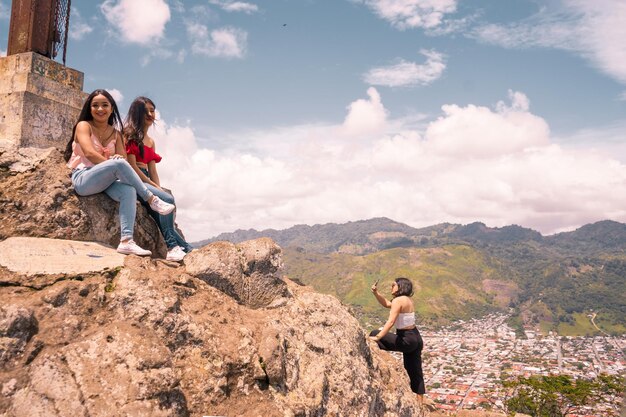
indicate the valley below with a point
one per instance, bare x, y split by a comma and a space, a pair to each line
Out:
493, 304
466, 363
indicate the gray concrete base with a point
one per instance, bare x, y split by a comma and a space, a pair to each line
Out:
35, 256
40, 100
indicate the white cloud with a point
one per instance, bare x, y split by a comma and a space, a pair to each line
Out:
519, 103
608, 140
226, 42
406, 14
3, 52
116, 94
137, 21
594, 30
450, 26
473, 163
478, 132
236, 6
365, 117
78, 27
408, 73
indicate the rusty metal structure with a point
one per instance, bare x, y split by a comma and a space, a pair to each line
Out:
39, 26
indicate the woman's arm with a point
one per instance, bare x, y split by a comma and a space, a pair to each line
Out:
396, 306
382, 300
119, 145
154, 175
132, 160
83, 137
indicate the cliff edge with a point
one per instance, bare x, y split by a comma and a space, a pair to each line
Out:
223, 334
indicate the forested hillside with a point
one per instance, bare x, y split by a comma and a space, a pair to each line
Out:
462, 271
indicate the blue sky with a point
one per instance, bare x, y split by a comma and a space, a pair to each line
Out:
275, 113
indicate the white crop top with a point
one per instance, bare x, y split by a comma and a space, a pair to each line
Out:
405, 320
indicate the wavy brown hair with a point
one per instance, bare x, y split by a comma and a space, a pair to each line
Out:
135, 122
115, 119
405, 287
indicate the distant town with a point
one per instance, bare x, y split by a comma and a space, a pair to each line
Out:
464, 362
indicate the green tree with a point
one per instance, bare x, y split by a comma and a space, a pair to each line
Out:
559, 395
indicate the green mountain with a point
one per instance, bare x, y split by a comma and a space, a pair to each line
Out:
450, 282
604, 236
366, 235
463, 271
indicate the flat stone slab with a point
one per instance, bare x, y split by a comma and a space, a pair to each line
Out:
36, 255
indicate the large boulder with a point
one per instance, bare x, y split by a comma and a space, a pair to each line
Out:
245, 271
39, 201
118, 370
152, 340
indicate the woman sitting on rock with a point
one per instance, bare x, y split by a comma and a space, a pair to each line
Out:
142, 156
407, 338
96, 155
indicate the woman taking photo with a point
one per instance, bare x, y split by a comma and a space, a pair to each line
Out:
96, 156
142, 156
407, 338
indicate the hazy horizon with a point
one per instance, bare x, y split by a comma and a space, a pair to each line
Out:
419, 227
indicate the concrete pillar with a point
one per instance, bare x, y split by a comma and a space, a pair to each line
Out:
40, 100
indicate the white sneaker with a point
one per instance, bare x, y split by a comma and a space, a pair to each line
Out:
161, 206
131, 248
175, 254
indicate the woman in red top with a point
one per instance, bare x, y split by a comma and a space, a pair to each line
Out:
142, 156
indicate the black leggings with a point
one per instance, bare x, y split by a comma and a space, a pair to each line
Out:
410, 343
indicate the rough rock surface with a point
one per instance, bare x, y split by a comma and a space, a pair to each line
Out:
246, 272
22, 159
40, 202
472, 413
152, 340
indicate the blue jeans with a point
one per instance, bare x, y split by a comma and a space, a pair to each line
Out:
166, 223
119, 181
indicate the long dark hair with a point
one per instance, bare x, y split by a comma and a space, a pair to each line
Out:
135, 122
115, 119
405, 287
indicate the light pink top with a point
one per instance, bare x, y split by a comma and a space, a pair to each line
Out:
80, 161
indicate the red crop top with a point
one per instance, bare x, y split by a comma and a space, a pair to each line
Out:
148, 153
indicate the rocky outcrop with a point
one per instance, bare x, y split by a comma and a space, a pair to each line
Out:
151, 339
37, 199
246, 272
18, 159
222, 334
